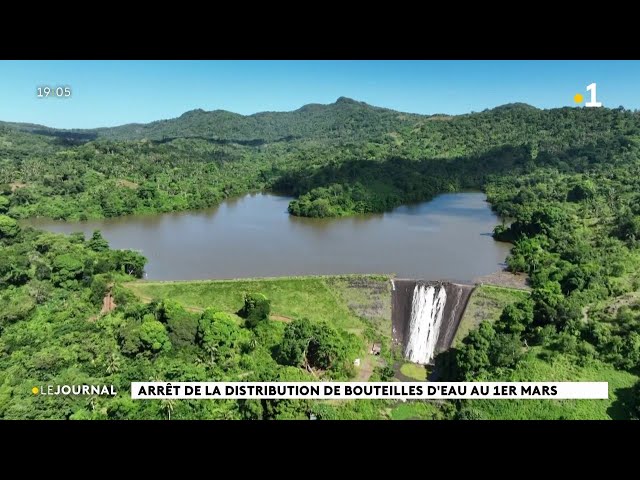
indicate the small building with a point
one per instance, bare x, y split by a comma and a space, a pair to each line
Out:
356, 362
375, 349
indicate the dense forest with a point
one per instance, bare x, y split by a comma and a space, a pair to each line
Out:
52, 331
338, 159
568, 179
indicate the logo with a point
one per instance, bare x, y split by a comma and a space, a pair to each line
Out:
75, 390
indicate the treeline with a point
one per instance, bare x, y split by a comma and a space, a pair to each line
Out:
339, 159
461, 153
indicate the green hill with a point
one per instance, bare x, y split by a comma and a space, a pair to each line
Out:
345, 119
338, 159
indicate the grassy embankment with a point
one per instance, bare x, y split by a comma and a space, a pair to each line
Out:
360, 304
351, 302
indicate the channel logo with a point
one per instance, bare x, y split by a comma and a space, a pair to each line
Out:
75, 390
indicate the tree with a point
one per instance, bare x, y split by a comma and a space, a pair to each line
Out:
181, 325
547, 300
219, 332
67, 267
113, 363
147, 337
312, 345
295, 342
153, 335
15, 305
505, 350
635, 401
327, 348
627, 227
40, 291
129, 338
14, 268
582, 191
468, 412
168, 404
99, 286
386, 373
4, 204
9, 228
472, 357
97, 243
129, 262
256, 308
516, 318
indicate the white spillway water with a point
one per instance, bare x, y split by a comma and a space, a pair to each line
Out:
427, 309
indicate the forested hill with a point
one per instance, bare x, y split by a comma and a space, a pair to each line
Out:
345, 119
339, 159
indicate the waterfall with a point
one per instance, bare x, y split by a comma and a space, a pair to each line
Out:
427, 310
425, 316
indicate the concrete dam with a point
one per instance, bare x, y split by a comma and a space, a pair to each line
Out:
426, 316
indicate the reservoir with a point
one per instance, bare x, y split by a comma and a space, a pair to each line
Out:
447, 238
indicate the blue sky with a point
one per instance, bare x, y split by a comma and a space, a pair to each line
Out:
108, 93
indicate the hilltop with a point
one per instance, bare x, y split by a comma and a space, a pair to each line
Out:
345, 118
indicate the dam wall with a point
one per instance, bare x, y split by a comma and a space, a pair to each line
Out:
426, 316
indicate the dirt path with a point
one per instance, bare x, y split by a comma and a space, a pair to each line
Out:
108, 304
367, 364
505, 279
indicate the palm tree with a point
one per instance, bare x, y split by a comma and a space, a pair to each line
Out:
113, 363
167, 406
92, 402
212, 350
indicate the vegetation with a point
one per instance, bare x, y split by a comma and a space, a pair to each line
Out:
330, 299
486, 304
546, 366
416, 410
338, 159
572, 233
256, 308
414, 371
567, 178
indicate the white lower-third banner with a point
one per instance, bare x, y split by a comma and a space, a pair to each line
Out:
370, 390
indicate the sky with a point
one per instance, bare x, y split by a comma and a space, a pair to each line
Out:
110, 93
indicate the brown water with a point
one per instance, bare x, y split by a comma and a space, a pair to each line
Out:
253, 236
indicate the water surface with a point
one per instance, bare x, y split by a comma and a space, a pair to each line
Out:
253, 236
